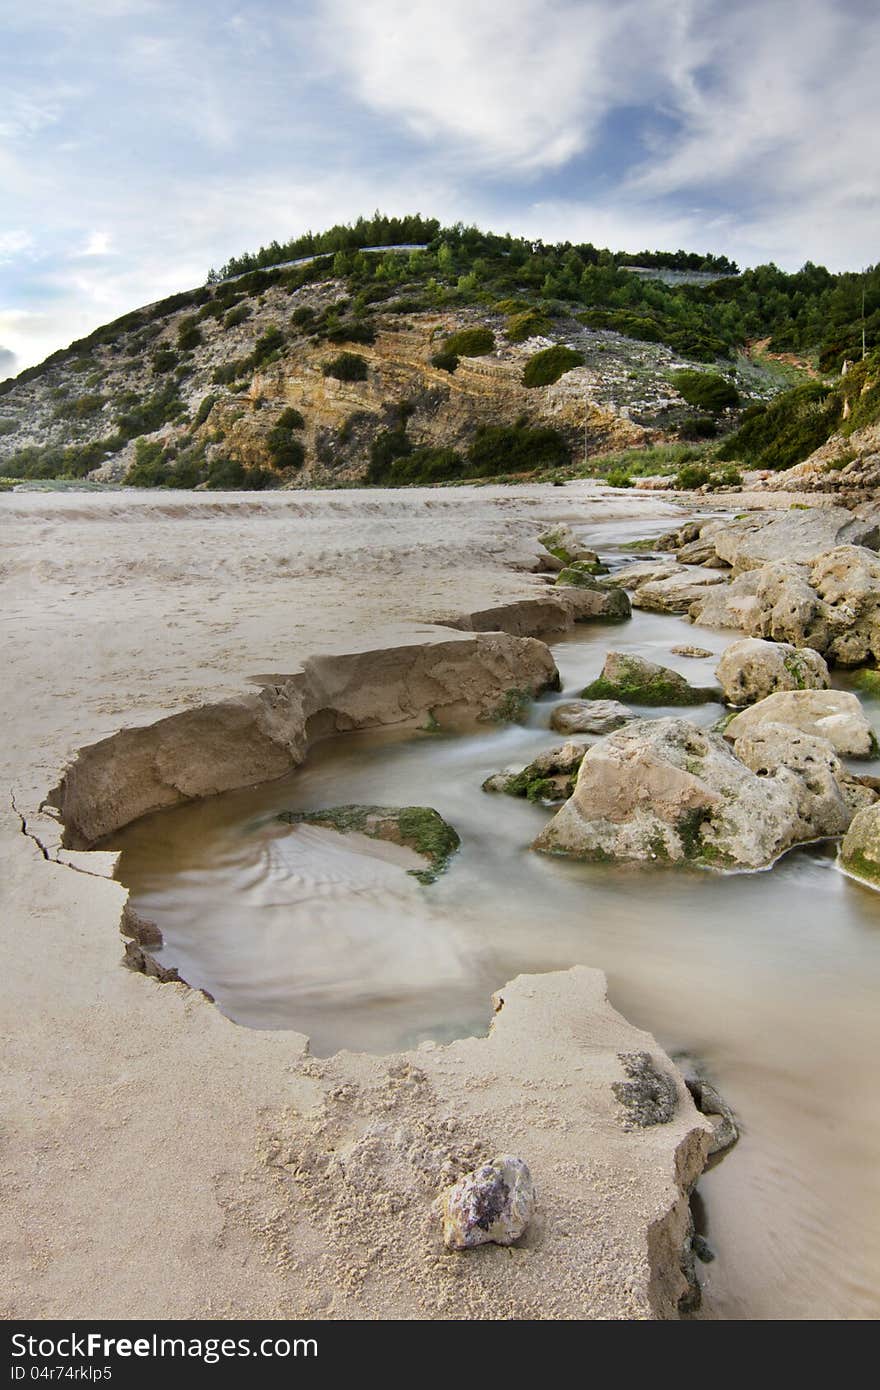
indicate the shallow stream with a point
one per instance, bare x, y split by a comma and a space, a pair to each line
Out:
771, 979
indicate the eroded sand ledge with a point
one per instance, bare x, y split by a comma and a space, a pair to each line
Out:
149, 1134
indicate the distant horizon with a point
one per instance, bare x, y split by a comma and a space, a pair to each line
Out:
142, 142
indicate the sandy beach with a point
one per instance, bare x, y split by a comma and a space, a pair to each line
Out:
162, 1161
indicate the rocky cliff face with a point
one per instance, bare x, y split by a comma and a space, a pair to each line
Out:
208, 382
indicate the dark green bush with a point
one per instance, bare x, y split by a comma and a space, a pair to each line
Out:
284, 450
291, 419
164, 360
705, 390
237, 315
351, 331
445, 361
548, 366
470, 342
152, 412
516, 449
80, 408
691, 476
346, 367
698, 427
533, 323
204, 410
787, 430
267, 345
189, 336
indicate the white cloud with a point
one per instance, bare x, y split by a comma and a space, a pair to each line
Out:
98, 244
12, 244
520, 86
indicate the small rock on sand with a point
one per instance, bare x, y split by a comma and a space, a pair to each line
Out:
494, 1203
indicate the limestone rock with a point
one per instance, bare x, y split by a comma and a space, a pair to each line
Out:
631, 678
700, 552
794, 536
608, 603
643, 572
860, 851
788, 609
687, 649
848, 580
710, 1103
823, 808
676, 592
731, 605
494, 1203
549, 777
589, 716
832, 714
664, 791
753, 668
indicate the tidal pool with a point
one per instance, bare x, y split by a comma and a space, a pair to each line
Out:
771, 979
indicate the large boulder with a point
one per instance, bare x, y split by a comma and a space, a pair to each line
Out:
549, 777
701, 552
826, 810
751, 669
664, 791
860, 851
832, 714
847, 579
776, 602
789, 610
732, 605
676, 592
603, 602
632, 679
589, 716
798, 535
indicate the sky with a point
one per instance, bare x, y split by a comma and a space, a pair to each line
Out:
144, 141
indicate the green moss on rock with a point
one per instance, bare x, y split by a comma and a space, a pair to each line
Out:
419, 828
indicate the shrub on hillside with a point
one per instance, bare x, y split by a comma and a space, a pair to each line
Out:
784, 432
348, 366
705, 390
470, 342
291, 419
164, 360
188, 335
532, 323
445, 361
698, 427
80, 408
548, 366
284, 450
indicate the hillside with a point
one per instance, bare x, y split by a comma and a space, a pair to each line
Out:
414, 353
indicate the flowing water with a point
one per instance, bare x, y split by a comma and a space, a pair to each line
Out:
771, 979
